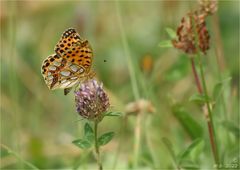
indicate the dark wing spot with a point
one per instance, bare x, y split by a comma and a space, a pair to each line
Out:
81, 56
86, 57
61, 45
80, 60
68, 56
47, 64
77, 51
64, 41
66, 48
69, 52
82, 51
73, 60
61, 51
73, 49
52, 59
88, 61
54, 81
69, 44
73, 55
56, 56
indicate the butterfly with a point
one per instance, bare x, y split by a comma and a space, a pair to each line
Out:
70, 64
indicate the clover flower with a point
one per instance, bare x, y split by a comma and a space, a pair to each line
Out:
186, 38
208, 7
91, 100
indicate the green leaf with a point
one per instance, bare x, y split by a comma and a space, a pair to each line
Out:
168, 145
113, 114
179, 69
187, 164
199, 98
105, 138
82, 143
218, 88
165, 44
193, 150
88, 133
231, 127
88, 129
192, 127
172, 34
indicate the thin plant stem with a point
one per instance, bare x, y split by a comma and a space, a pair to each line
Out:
209, 118
137, 139
18, 157
127, 53
133, 83
121, 141
97, 146
197, 81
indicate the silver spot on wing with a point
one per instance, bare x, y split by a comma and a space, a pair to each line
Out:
56, 63
74, 68
74, 78
52, 68
65, 73
81, 70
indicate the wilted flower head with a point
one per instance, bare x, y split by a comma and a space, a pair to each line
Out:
208, 7
187, 36
139, 106
91, 100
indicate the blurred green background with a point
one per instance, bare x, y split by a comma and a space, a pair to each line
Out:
39, 125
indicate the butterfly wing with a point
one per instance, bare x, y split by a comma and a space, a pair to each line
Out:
71, 63
59, 73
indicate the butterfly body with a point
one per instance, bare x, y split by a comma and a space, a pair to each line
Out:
70, 64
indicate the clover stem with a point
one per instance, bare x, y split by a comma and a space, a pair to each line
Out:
208, 112
209, 118
97, 146
197, 81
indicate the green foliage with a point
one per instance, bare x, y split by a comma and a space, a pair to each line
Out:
88, 138
171, 33
82, 143
219, 87
169, 147
199, 98
193, 151
113, 114
231, 127
88, 133
188, 157
105, 138
179, 69
192, 127
165, 44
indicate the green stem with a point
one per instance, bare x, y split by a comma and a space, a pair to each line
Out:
209, 118
10, 151
211, 130
96, 146
197, 81
133, 82
137, 139
127, 53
